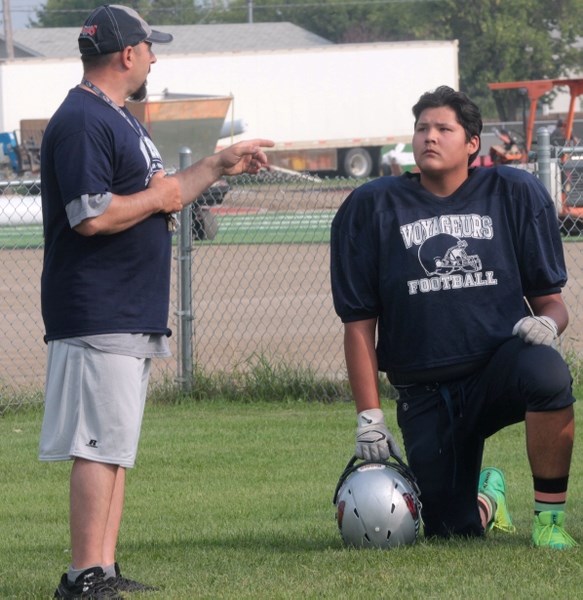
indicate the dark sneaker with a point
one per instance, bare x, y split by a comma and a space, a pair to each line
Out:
90, 585
123, 584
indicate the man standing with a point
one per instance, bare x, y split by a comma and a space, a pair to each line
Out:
450, 281
107, 216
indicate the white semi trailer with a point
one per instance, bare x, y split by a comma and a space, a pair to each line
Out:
327, 108
330, 108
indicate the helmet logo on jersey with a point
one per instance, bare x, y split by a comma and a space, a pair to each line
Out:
444, 254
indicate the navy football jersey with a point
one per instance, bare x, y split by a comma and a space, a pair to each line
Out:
446, 277
100, 284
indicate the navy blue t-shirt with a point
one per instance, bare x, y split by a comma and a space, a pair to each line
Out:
446, 277
103, 283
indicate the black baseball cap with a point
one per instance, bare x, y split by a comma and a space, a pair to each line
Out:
111, 28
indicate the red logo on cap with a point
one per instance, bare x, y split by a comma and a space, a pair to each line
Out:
89, 30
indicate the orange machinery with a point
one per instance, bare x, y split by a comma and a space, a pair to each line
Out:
537, 88
570, 210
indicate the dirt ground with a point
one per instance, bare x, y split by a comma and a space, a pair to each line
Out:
249, 301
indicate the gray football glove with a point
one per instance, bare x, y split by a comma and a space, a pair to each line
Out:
373, 440
536, 330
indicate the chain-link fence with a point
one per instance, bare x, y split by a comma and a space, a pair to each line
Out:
259, 267
260, 282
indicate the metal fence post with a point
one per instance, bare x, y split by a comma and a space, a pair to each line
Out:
185, 311
544, 157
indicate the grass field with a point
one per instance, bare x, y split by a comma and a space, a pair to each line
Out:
301, 227
233, 500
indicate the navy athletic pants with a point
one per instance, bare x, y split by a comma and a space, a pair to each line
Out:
445, 424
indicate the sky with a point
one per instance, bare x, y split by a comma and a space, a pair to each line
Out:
21, 10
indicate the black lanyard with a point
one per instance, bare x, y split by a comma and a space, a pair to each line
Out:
108, 100
171, 220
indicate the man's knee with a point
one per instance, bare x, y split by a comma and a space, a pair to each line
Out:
545, 379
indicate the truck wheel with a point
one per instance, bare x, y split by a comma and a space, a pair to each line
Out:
357, 163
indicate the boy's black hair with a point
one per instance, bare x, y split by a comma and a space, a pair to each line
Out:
467, 112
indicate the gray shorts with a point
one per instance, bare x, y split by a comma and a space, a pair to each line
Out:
94, 403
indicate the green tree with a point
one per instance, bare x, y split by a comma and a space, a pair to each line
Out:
339, 21
63, 13
499, 40
505, 41
72, 13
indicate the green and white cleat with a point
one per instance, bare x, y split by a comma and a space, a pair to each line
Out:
492, 484
548, 531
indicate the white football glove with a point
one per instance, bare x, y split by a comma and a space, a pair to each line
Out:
536, 330
373, 440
